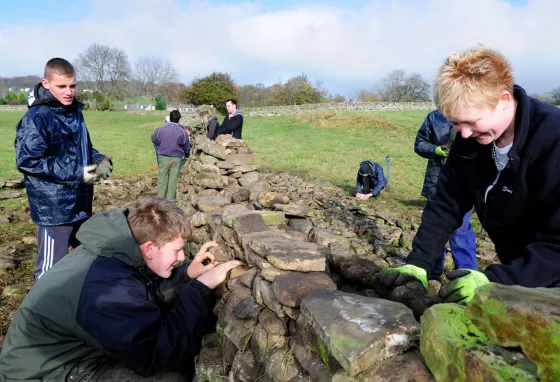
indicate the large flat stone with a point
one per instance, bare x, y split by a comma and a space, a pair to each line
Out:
215, 150
291, 255
248, 223
269, 217
240, 159
456, 350
526, 317
209, 180
358, 331
292, 287
211, 203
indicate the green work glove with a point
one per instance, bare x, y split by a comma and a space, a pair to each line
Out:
104, 168
394, 277
463, 283
441, 151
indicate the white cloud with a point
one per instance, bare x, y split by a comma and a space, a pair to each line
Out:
337, 45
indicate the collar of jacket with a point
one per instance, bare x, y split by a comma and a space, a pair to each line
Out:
522, 124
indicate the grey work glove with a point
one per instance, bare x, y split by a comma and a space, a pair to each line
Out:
104, 168
90, 175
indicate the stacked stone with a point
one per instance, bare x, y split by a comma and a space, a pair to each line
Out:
280, 317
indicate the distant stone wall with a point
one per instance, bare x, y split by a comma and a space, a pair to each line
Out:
357, 106
13, 107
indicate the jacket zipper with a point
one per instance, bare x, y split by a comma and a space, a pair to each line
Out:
485, 199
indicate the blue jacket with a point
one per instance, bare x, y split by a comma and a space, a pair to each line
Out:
521, 213
52, 147
434, 132
378, 180
101, 304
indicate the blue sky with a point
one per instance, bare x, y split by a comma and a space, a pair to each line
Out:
348, 45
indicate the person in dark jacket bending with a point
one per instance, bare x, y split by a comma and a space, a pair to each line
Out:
119, 304
370, 181
433, 141
55, 154
233, 122
504, 161
213, 125
172, 145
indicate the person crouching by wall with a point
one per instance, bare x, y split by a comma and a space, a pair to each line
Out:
371, 180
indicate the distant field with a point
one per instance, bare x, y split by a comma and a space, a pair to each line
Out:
324, 146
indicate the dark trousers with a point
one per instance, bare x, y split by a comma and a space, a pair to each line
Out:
52, 245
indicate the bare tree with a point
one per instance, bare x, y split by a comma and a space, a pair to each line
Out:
103, 68
397, 86
153, 72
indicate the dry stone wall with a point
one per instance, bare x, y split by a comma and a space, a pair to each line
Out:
355, 106
292, 313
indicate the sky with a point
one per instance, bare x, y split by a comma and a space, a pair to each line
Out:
346, 45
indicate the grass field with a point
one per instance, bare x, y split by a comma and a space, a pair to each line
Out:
326, 146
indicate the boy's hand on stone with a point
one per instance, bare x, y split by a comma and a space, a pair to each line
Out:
218, 274
203, 261
363, 196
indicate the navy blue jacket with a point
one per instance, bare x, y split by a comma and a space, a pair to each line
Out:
378, 180
522, 211
233, 125
101, 303
434, 132
52, 147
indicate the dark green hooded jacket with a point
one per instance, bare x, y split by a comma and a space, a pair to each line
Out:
101, 304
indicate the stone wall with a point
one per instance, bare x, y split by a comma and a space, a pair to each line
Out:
294, 312
354, 106
13, 107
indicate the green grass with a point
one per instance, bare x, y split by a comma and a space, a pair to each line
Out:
326, 146
126, 137
330, 147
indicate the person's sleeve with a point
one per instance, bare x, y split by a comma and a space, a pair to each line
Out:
32, 153
424, 144
116, 313
381, 181
212, 128
155, 137
442, 215
358, 185
234, 123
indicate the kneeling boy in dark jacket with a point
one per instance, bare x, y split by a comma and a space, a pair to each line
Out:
120, 296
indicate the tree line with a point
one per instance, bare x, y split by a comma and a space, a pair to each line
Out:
105, 75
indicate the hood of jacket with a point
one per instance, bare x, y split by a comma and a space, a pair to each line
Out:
42, 96
108, 234
237, 112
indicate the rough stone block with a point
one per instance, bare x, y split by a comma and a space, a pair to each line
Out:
292, 287
526, 317
358, 331
456, 350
